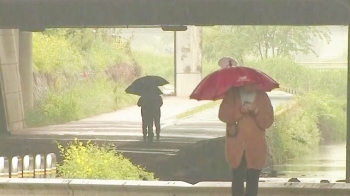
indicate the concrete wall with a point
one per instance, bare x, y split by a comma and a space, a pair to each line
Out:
63, 187
188, 60
10, 79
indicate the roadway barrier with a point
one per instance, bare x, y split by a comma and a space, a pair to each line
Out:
289, 90
64, 187
29, 167
4, 167
16, 167
39, 169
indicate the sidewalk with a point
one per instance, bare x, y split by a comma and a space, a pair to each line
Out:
122, 120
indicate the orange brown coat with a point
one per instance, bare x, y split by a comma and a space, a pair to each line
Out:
251, 129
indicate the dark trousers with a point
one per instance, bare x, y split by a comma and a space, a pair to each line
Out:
148, 118
241, 174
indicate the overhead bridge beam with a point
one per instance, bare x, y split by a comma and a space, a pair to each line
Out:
38, 14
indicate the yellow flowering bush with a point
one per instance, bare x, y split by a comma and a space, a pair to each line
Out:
90, 161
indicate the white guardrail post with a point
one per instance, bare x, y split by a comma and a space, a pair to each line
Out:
16, 167
39, 170
50, 171
28, 166
4, 167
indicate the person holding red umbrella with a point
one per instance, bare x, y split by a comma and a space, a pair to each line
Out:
247, 111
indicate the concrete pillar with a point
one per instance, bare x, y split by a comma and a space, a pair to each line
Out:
10, 79
26, 67
188, 60
3, 120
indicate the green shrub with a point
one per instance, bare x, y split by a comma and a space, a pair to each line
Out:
294, 133
87, 98
55, 54
209, 67
156, 64
305, 122
283, 70
330, 113
324, 92
90, 161
103, 55
292, 75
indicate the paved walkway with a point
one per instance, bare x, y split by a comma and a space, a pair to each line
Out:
127, 122
108, 124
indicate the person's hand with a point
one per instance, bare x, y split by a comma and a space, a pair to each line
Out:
245, 108
253, 109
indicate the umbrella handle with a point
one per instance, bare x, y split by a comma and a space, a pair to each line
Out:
230, 63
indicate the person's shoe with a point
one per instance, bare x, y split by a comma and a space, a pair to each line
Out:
158, 136
144, 138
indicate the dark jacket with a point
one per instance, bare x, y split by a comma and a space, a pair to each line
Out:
150, 105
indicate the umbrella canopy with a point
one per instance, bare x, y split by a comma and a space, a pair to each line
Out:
147, 85
143, 90
151, 81
216, 84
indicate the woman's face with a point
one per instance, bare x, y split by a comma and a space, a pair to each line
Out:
249, 88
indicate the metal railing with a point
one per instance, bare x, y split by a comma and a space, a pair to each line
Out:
29, 166
289, 90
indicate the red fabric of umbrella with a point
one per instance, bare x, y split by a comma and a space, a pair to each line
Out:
216, 84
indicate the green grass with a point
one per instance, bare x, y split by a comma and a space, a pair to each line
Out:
197, 109
156, 64
82, 100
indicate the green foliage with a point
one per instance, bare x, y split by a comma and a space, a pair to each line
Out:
302, 124
55, 54
260, 41
292, 75
86, 98
284, 70
330, 112
102, 55
156, 64
90, 161
318, 115
63, 54
294, 133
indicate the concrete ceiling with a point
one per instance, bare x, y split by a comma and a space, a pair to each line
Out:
38, 14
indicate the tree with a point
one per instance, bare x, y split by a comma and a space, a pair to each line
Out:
260, 41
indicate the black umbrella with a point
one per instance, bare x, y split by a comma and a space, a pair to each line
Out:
151, 81
147, 85
146, 90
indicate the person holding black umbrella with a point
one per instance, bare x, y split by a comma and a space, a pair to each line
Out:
150, 104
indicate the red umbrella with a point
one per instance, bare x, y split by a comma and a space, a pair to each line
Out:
215, 85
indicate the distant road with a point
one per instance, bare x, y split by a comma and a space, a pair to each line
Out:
326, 65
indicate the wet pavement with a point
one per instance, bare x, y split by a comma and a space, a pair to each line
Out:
328, 161
125, 124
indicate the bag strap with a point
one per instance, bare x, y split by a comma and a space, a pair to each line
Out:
236, 123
